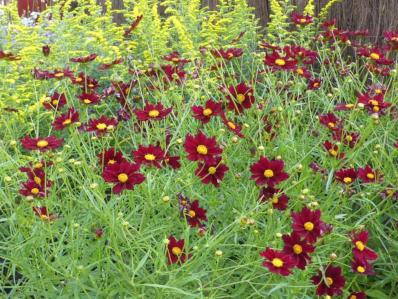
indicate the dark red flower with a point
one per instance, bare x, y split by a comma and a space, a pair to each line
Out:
149, 155
173, 73
133, 25
55, 101
176, 58
330, 121
105, 66
124, 175
172, 161
66, 119
368, 175
43, 213
37, 190
85, 81
279, 200
344, 107
330, 283
278, 262
362, 267
176, 251
227, 54
280, 62
303, 55
314, 84
212, 172
89, 98
375, 55
373, 103
240, 97
303, 71
346, 176
307, 224
84, 59
298, 249
101, 125
205, 113
357, 295
349, 138
152, 112
392, 38
110, 156
268, 172
41, 144
301, 20
233, 127
333, 150
195, 214
361, 251
201, 148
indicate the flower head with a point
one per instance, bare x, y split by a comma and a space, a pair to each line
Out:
361, 251
152, 112
66, 119
204, 114
240, 97
278, 199
101, 125
176, 251
268, 172
195, 214
123, 175
330, 283
307, 224
278, 262
212, 172
298, 248
201, 148
346, 176
41, 144
149, 155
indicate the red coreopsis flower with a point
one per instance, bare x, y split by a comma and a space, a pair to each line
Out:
303, 55
101, 125
361, 251
212, 172
279, 200
204, 114
173, 73
149, 155
43, 214
301, 20
330, 283
66, 119
392, 39
227, 54
346, 176
86, 82
195, 214
176, 58
240, 97
37, 190
368, 175
152, 112
280, 62
176, 251
55, 101
110, 156
330, 121
357, 295
201, 148
314, 84
41, 144
307, 224
84, 59
233, 127
344, 107
124, 175
349, 138
333, 150
375, 55
303, 72
61, 74
362, 267
172, 161
373, 103
89, 98
268, 172
298, 249
106, 66
278, 262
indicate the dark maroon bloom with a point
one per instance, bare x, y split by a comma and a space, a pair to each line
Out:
195, 214
101, 125
373, 103
173, 73
330, 121
280, 62
204, 114
66, 119
84, 59
392, 38
149, 155
152, 112
110, 156
361, 251
279, 200
8, 56
61, 74
227, 54
268, 172
278, 262
346, 176
376, 55
43, 214
172, 161
212, 172
86, 82
303, 71
124, 175
201, 148
105, 66
301, 20
133, 25
344, 107
368, 175
46, 50
41, 144
31, 188
176, 58
357, 295
233, 127
314, 84
333, 150
331, 283
89, 98
349, 138
362, 267
240, 97
176, 251
55, 101
303, 55
307, 224
298, 249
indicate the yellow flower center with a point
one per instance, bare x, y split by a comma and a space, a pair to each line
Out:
202, 149
37, 180
35, 191
153, 113
280, 62
360, 245
87, 101
378, 91
375, 56
101, 126
278, 263
58, 75
176, 250
348, 138
347, 180
207, 112
191, 213
370, 176
331, 125
300, 71
361, 269
38, 165
275, 200
54, 102
212, 170
349, 106
175, 59
376, 109
353, 297
111, 161
333, 152
268, 173
123, 177
66, 122
79, 79
231, 125
303, 20
297, 248
149, 157
230, 55
309, 226
240, 97
329, 281
42, 143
